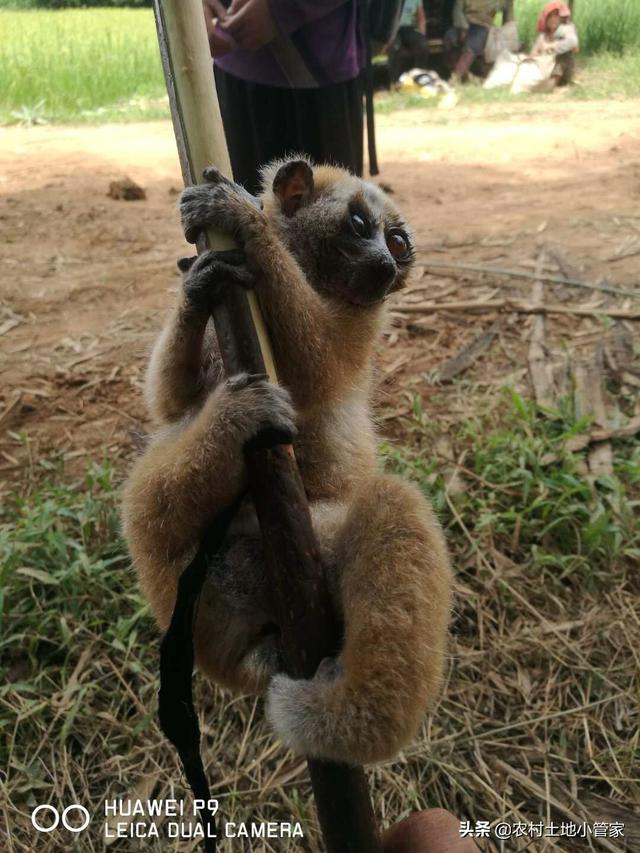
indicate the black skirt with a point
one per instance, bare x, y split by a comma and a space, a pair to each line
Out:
263, 123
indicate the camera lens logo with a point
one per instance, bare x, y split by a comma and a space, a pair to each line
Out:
42, 823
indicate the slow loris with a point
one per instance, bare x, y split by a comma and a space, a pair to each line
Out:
323, 249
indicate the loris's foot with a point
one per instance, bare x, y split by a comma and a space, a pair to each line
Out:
219, 204
264, 410
209, 274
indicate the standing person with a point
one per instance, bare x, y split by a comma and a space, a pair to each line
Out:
287, 74
410, 48
557, 37
472, 20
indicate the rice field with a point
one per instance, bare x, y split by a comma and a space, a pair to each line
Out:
103, 65
75, 64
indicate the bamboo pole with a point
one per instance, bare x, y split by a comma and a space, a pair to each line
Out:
309, 628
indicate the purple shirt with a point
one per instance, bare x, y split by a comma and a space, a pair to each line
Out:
318, 43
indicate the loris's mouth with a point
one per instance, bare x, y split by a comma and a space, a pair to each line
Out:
370, 284
361, 302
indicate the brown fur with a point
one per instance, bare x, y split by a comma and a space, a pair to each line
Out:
386, 555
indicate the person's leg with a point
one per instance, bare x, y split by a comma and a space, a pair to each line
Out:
564, 70
330, 124
233, 96
396, 56
263, 123
417, 47
474, 44
257, 123
451, 47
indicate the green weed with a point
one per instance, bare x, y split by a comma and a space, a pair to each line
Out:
531, 499
65, 581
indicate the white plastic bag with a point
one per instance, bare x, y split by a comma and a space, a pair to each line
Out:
504, 70
532, 74
501, 39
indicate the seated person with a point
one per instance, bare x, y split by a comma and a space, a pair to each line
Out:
467, 38
410, 48
558, 37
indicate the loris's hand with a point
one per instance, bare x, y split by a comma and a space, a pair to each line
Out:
250, 24
263, 412
209, 275
219, 204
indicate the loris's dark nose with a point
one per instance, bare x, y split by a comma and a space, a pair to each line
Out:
381, 274
372, 280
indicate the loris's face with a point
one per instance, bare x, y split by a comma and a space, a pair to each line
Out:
349, 238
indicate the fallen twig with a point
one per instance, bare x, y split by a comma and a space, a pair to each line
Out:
5, 415
579, 442
519, 308
554, 279
468, 354
539, 361
590, 400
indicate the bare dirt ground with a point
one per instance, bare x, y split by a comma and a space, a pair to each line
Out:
86, 279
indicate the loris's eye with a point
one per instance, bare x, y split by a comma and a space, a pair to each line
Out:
398, 244
360, 225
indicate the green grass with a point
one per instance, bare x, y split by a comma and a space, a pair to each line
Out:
102, 65
536, 543
80, 65
531, 499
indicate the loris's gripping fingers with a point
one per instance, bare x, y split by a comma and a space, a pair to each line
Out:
214, 270
195, 203
269, 416
275, 418
234, 257
214, 176
208, 276
221, 205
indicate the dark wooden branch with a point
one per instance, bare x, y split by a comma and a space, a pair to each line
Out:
309, 629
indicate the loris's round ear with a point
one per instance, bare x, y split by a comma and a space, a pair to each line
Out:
293, 185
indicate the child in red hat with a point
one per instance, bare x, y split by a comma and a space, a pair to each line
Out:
558, 37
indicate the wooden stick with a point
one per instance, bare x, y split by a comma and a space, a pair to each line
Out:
517, 308
468, 354
553, 279
309, 629
539, 361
